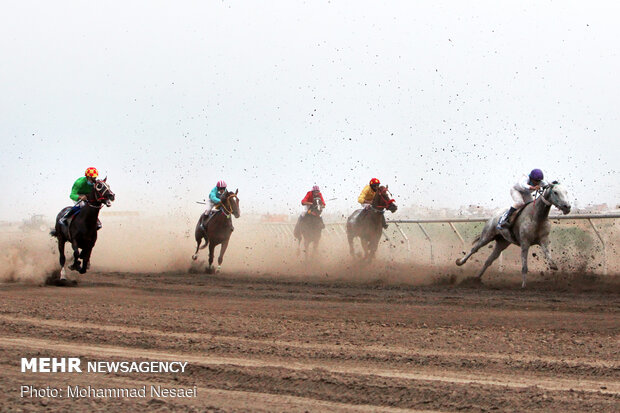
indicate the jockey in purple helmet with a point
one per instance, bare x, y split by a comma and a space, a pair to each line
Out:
521, 193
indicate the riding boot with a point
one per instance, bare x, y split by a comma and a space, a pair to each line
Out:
385, 225
504, 221
98, 224
63, 220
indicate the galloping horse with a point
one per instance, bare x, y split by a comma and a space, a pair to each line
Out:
81, 230
310, 227
217, 229
367, 223
531, 227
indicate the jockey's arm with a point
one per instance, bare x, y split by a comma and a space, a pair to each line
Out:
362, 199
78, 189
214, 196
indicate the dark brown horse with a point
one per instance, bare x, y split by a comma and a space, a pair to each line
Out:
367, 224
217, 229
309, 227
81, 230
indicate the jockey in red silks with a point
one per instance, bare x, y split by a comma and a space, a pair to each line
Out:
308, 202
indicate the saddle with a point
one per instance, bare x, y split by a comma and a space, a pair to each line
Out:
516, 214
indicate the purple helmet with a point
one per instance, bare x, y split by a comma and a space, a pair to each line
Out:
315, 188
221, 184
536, 175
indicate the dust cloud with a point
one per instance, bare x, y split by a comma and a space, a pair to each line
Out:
262, 250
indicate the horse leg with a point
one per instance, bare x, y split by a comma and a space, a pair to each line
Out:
524, 251
500, 246
76, 256
220, 259
484, 240
61, 258
195, 256
85, 259
211, 254
350, 239
544, 245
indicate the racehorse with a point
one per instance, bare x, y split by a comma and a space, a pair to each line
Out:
310, 227
217, 229
367, 224
81, 229
531, 227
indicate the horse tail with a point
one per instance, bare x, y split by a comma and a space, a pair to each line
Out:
476, 239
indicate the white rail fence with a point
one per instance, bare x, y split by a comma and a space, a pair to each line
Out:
284, 231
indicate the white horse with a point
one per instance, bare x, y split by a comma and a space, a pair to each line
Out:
531, 227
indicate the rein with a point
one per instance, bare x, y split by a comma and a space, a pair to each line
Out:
228, 211
540, 194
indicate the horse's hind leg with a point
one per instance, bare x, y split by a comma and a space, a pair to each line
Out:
484, 240
500, 246
195, 256
61, 258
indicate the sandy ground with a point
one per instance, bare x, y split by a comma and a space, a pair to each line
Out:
264, 344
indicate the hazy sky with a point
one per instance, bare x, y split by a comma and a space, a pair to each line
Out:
447, 102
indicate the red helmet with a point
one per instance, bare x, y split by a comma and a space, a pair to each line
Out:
374, 181
91, 172
221, 184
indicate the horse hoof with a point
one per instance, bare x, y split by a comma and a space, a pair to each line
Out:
209, 270
194, 257
218, 269
82, 271
522, 285
458, 262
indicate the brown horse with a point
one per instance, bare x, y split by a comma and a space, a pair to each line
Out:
81, 230
367, 224
217, 229
309, 228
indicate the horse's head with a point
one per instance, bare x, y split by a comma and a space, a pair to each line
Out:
317, 206
382, 200
101, 193
231, 203
556, 194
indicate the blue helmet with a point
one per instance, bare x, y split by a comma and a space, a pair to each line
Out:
536, 175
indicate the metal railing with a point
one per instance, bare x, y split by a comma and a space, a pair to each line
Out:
452, 221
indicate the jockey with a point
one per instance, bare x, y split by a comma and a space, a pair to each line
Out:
214, 197
521, 193
308, 202
80, 190
368, 195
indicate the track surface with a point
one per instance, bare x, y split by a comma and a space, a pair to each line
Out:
267, 345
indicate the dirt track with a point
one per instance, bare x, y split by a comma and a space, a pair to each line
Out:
265, 345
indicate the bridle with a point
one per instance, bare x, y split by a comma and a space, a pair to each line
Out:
228, 211
383, 199
101, 189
